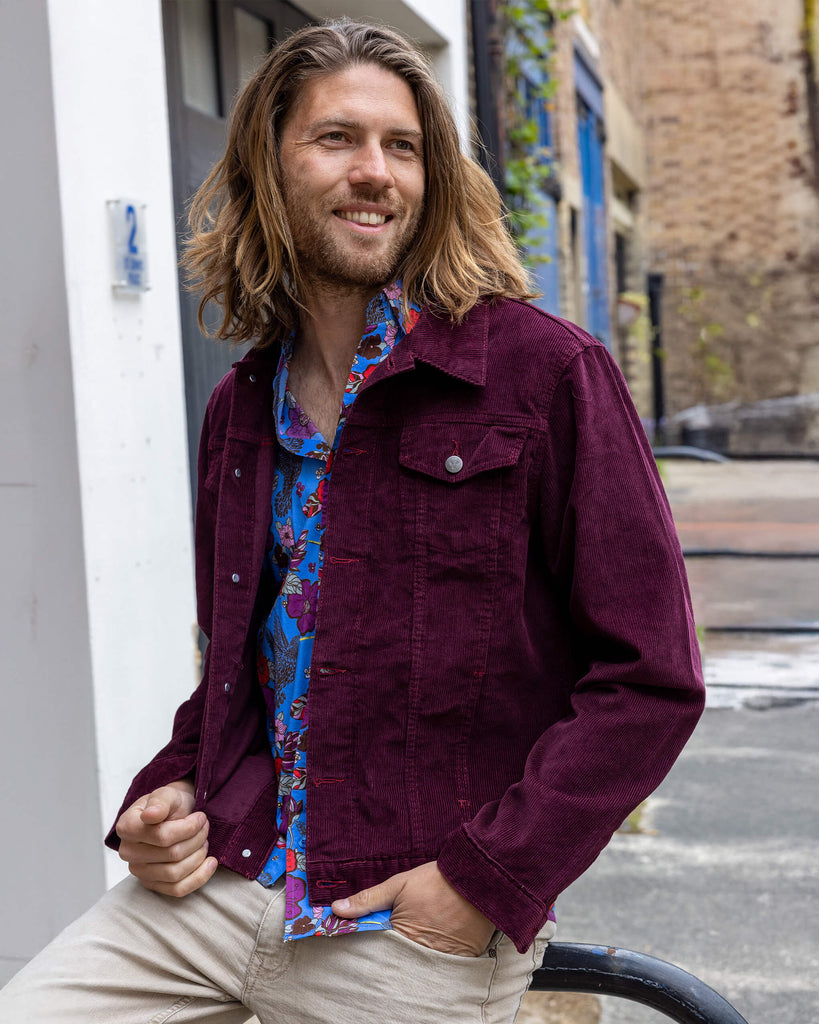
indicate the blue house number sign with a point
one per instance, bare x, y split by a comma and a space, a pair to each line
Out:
130, 251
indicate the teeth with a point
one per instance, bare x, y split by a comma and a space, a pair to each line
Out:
358, 217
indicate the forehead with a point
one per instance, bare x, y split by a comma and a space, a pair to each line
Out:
364, 90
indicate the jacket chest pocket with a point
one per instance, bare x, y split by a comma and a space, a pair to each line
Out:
455, 481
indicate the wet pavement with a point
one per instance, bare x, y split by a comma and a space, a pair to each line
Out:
722, 876
750, 532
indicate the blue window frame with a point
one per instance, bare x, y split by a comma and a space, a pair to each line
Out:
590, 144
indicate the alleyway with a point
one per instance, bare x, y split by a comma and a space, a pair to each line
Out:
723, 876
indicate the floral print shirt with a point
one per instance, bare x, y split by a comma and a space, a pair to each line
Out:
303, 469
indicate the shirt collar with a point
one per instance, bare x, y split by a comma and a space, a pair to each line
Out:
459, 350
389, 319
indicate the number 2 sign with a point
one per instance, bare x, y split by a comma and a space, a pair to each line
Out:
127, 218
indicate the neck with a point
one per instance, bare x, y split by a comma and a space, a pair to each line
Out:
330, 332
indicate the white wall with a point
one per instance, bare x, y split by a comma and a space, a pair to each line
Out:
438, 25
96, 597
51, 864
112, 140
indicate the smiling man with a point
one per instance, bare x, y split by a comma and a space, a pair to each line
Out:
451, 644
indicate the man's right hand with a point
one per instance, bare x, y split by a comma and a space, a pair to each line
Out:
165, 843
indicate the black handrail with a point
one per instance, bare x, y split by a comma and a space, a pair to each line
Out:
605, 970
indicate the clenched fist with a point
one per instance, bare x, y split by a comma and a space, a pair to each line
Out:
164, 842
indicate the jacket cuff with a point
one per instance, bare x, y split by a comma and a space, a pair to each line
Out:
490, 888
158, 773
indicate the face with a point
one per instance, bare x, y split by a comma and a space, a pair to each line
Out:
352, 164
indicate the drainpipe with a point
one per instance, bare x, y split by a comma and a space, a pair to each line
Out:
487, 51
655, 301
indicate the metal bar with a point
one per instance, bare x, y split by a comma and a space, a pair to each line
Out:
744, 553
687, 451
605, 970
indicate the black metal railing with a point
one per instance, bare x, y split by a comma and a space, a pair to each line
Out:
605, 970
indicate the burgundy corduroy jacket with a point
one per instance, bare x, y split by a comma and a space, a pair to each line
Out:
505, 661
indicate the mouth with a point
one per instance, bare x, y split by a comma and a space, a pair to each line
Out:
363, 217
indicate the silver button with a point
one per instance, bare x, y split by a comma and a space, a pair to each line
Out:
227, 687
245, 853
237, 472
454, 464
252, 378
235, 577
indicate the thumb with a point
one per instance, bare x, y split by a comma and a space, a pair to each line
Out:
378, 897
164, 804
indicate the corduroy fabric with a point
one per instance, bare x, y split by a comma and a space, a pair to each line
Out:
505, 660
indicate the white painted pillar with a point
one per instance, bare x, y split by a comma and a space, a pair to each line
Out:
97, 610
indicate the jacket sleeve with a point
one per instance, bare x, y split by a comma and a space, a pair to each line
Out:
609, 546
177, 759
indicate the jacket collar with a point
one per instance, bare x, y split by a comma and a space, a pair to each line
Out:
459, 350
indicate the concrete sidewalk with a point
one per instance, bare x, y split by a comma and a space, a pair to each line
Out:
724, 878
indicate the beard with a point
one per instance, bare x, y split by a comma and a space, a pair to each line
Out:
359, 261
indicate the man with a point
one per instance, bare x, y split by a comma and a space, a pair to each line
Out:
502, 663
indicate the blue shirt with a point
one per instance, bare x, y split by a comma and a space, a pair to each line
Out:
285, 644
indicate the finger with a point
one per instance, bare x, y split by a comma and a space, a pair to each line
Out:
166, 833
367, 901
169, 872
187, 885
147, 853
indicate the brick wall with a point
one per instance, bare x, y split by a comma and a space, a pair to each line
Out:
732, 203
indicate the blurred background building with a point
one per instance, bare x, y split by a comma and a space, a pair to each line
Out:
679, 226
731, 115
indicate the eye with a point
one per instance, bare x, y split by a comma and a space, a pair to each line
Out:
403, 145
334, 136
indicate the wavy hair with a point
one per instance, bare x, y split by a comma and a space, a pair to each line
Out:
240, 253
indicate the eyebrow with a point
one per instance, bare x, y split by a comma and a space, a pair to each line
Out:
343, 122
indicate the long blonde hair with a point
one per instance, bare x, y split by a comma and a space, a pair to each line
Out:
240, 253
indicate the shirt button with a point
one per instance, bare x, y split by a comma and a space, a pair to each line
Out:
245, 853
454, 464
227, 687
237, 472
252, 378
235, 577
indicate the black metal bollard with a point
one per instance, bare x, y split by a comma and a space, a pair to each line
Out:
605, 970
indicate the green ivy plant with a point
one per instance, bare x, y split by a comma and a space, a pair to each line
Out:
713, 373
528, 54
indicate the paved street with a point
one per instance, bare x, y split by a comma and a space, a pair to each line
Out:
723, 878
751, 534
724, 881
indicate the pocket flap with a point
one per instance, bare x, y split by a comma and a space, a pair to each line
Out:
429, 448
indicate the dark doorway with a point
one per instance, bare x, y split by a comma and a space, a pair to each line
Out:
211, 46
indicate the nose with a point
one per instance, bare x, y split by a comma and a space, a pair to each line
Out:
370, 166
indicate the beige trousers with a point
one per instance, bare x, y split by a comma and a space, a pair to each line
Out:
217, 957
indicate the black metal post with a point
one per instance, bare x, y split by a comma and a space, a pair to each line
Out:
655, 312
